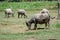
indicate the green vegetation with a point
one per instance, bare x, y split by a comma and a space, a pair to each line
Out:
28, 5
26, 0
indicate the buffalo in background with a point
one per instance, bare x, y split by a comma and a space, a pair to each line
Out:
9, 12
22, 12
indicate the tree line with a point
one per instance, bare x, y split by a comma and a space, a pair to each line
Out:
26, 0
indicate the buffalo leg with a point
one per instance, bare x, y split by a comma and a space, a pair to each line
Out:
21, 16
35, 26
24, 16
12, 15
45, 24
48, 25
8, 15
18, 15
29, 27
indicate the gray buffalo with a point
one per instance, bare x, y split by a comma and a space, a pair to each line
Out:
22, 12
8, 12
40, 18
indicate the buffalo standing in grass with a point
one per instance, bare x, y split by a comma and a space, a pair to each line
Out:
22, 12
8, 12
41, 18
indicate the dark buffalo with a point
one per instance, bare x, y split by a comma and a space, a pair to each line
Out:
22, 12
8, 12
40, 18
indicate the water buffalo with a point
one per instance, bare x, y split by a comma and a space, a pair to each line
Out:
8, 12
22, 12
40, 18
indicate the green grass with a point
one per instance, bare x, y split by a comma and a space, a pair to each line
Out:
57, 25
28, 5
15, 29
38, 34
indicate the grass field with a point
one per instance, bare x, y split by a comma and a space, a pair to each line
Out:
28, 5
15, 29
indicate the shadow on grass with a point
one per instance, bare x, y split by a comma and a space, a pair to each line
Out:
38, 29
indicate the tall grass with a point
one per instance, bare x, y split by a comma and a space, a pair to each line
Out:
28, 5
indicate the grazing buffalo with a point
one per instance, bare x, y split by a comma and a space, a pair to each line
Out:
8, 12
40, 18
22, 12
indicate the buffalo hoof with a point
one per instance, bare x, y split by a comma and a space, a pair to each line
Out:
34, 29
